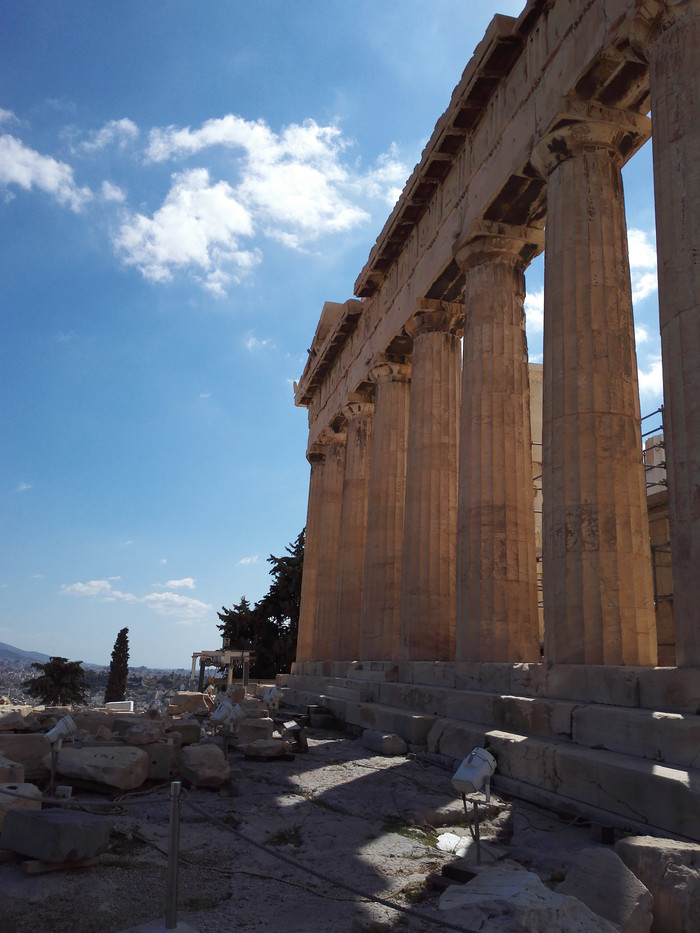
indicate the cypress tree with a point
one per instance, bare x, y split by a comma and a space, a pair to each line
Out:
118, 668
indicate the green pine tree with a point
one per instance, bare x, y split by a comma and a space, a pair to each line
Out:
118, 668
269, 628
60, 682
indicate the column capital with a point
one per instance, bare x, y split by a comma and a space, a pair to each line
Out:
329, 437
651, 23
432, 315
487, 241
678, 10
387, 370
358, 405
315, 453
589, 128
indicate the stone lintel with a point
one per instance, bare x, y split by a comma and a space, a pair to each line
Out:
326, 346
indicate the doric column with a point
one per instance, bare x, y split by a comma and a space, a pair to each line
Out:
331, 495
358, 414
674, 66
309, 580
381, 608
497, 617
428, 584
598, 599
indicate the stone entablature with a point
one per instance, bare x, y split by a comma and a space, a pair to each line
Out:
525, 74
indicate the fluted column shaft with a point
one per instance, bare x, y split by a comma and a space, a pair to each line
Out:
497, 616
428, 588
598, 599
381, 608
353, 529
674, 69
331, 481
309, 580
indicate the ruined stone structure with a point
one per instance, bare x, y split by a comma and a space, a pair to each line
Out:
420, 565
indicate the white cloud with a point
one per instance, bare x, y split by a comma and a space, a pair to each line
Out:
651, 379
112, 192
120, 132
643, 285
198, 226
186, 583
23, 487
229, 131
293, 186
641, 334
176, 604
248, 560
7, 116
20, 165
252, 344
534, 311
642, 256
162, 603
386, 181
91, 588
642, 250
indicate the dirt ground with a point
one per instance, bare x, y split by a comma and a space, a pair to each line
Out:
326, 841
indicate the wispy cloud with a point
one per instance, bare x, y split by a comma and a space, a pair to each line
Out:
165, 603
534, 311
111, 192
23, 487
115, 132
185, 583
169, 604
91, 588
252, 344
642, 255
22, 166
651, 378
248, 560
7, 116
386, 180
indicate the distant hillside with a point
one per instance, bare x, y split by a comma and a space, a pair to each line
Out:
10, 653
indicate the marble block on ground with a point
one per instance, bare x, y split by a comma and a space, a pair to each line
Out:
55, 835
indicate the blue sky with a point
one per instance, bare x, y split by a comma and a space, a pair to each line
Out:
182, 186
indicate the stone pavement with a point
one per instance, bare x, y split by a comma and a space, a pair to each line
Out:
326, 840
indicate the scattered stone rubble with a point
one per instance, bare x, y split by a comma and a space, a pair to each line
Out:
641, 884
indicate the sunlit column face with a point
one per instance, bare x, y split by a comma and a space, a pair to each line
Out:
597, 571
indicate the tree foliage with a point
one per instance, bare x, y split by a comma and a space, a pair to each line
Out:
270, 627
118, 668
60, 682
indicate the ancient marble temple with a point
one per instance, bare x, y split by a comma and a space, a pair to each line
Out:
421, 528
